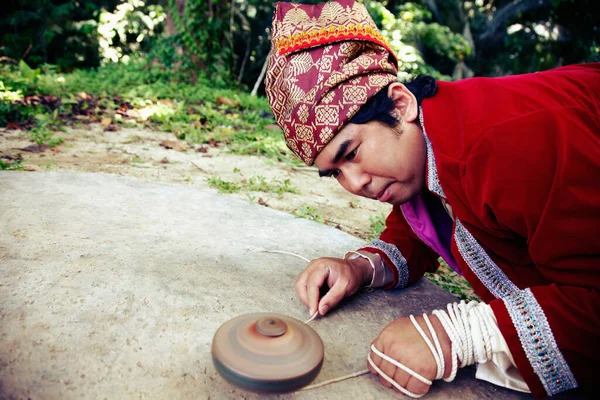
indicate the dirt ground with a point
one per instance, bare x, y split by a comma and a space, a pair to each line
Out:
144, 154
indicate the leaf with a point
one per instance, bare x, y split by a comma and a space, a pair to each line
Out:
174, 145
26, 71
106, 121
227, 102
36, 148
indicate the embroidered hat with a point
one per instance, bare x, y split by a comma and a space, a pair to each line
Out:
326, 61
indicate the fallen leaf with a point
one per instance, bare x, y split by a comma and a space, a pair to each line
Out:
227, 102
36, 148
272, 127
172, 144
213, 142
133, 114
202, 149
111, 128
262, 202
106, 121
13, 125
84, 96
164, 161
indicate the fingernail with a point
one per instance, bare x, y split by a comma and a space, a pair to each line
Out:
310, 312
324, 310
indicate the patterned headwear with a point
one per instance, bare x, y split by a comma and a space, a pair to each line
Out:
326, 61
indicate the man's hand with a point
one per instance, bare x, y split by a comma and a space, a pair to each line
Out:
401, 341
344, 278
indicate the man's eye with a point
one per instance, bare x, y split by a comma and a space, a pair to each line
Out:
350, 156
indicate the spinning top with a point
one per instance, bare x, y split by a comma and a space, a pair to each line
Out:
267, 353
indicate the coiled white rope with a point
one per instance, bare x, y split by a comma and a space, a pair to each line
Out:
462, 322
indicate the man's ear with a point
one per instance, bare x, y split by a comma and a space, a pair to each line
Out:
407, 107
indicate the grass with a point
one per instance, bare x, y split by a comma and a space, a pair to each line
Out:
223, 186
11, 163
144, 94
377, 226
253, 184
447, 279
260, 184
307, 212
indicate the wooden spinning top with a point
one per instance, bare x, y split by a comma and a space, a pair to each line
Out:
267, 353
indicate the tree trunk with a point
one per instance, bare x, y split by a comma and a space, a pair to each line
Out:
508, 13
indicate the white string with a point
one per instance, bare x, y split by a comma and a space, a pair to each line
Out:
390, 380
311, 318
334, 380
283, 252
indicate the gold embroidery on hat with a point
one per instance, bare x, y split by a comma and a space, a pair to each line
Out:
307, 150
354, 94
364, 60
291, 143
328, 98
378, 79
305, 133
351, 111
301, 63
326, 62
335, 79
327, 115
326, 134
350, 69
303, 113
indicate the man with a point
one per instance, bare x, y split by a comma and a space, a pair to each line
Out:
497, 176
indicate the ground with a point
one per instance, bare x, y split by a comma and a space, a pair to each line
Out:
160, 157
154, 156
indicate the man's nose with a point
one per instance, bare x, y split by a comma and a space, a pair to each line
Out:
356, 179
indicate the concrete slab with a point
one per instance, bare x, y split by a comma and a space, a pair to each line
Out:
113, 288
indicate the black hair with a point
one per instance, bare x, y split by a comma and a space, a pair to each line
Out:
380, 107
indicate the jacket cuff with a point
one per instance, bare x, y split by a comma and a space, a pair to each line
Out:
533, 347
392, 258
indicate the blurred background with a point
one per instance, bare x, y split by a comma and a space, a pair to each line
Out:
227, 41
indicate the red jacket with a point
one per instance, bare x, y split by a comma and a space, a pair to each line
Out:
518, 160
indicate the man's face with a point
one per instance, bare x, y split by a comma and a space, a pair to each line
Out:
375, 161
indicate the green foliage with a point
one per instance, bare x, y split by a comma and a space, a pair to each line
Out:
204, 29
259, 184
43, 133
127, 32
377, 226
222, 186
11, 163
411, 28
447, 279
60, 32
307, 212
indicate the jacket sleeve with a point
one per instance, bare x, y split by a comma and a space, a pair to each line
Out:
536, 181
404, 254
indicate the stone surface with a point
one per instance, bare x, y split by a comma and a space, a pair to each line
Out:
113, 288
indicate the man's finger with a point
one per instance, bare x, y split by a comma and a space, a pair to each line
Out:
414, 385
389, 369
333, 297
313, 285
301, 289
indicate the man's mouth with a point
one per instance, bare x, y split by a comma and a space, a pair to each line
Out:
385, 194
